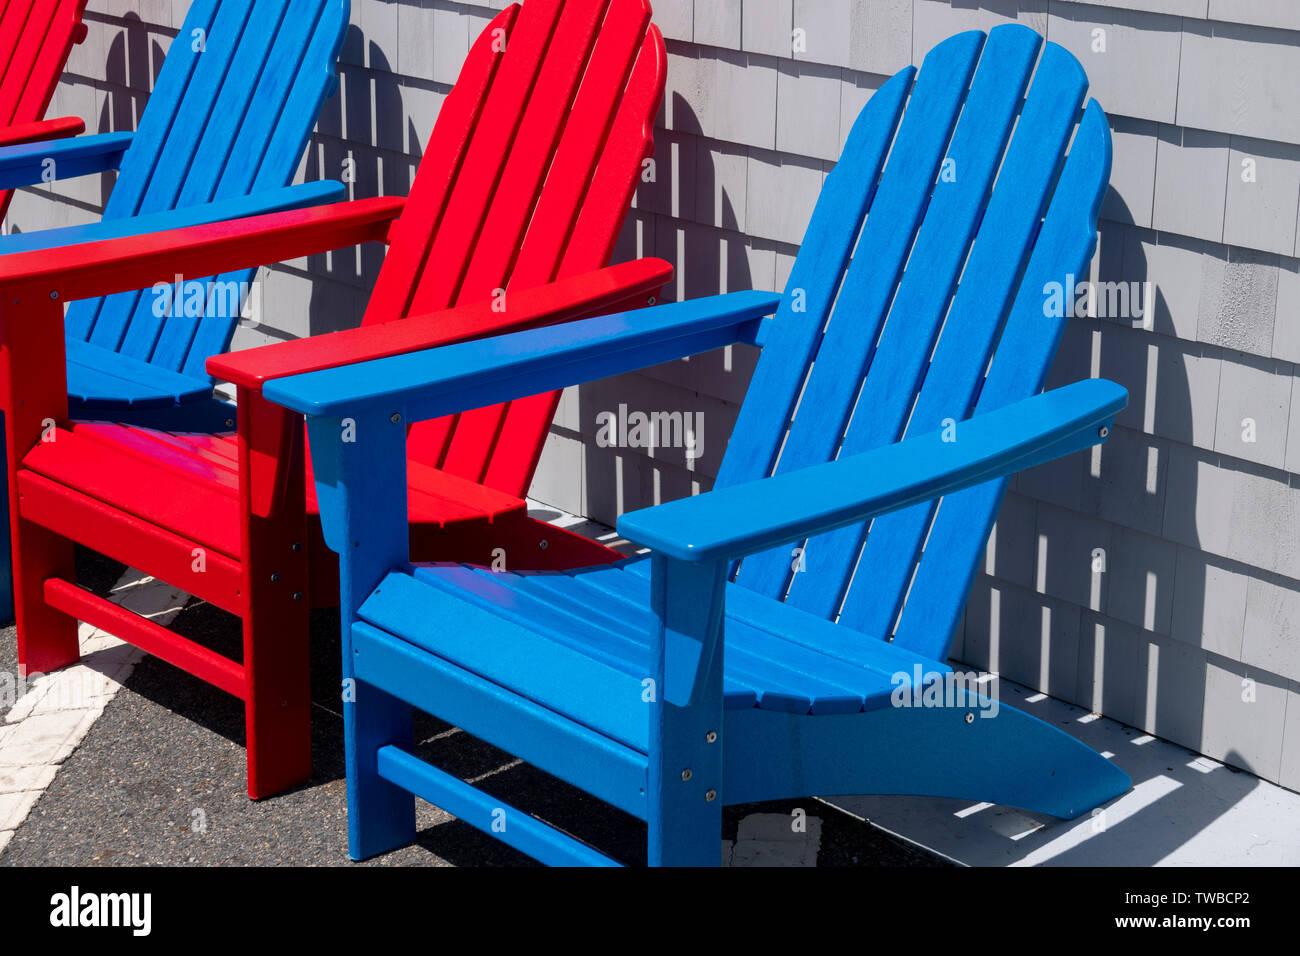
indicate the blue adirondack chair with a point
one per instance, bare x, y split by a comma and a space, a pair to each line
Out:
673, 683
220, 138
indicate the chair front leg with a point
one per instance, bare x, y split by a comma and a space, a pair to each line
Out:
34, 399
360, 469
277, 659
685, 772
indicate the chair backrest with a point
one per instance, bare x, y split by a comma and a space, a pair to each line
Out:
230, 114
527, 177
921, 294
36, 37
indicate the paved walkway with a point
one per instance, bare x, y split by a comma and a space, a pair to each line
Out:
52, 713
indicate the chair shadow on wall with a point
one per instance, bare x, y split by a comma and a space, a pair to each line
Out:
1141, 679
706, 261
132, 65
365, 131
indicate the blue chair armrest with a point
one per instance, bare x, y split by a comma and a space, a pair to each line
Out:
43, 161
222, 210
468, 375
730, 523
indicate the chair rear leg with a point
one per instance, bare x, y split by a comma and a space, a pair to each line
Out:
381, 815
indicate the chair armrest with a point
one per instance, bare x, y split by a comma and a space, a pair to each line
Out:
32, 163
40, 130
237, 207
573, 297
470, 375
138, 261
730, 523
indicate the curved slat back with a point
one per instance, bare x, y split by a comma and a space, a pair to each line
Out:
951, 252
230, 114
35, 39
527, 177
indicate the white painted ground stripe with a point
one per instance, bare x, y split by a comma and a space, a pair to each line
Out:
49, 721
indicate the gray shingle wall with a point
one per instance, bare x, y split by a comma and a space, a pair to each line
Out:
1193, 504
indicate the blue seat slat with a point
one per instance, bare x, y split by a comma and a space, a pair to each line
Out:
812, 287
572, 594
982, 300
626, 637
1024, 355
100, 378
526, 661
575, 595
924, 292
761, 665
629, 595
752, 639
632, 590
747, 680
614, 646
830, 685
892, 220
91, 387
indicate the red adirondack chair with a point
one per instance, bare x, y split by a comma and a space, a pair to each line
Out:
36, 37
524, 186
